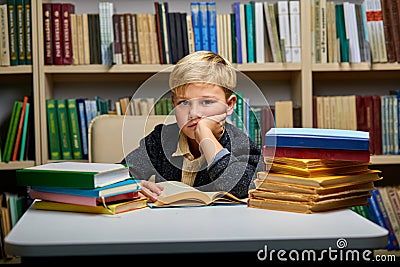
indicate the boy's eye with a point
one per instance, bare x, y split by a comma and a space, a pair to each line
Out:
207, 101
183, 103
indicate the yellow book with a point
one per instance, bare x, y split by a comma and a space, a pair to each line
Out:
321, 181
315, 172
295, 206
295, 188
312, 163
115, 208
180, 194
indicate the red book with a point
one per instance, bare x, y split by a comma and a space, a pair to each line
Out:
317, 153
66, 10
57, 34
19, 131
48, 34
376, 125
81, 200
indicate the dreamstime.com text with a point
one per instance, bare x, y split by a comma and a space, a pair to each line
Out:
340, 253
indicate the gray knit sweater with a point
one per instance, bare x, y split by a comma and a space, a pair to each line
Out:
233, 172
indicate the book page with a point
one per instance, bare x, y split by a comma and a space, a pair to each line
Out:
78, 167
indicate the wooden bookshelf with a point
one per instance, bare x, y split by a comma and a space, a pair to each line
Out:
298, 82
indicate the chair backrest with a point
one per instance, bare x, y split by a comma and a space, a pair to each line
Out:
110, 136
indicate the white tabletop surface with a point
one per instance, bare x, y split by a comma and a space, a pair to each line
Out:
187, 230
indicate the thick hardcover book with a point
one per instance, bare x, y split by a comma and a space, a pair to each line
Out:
212, 26
341, 33
116, 208
160, 37
63, 128
57, 33
184, 29
173, 37
13, 31
320, 153
130, 49
4, 38
66, 10
48, 34
82, 175
28, 31
52, 129
250, 33
74, 129
204, 30
194, 8
318, 138
125, 186
179, 35
94, 38
120, 55
21, 31
238, 36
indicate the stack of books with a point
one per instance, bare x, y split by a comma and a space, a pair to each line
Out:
336, 176
82, 187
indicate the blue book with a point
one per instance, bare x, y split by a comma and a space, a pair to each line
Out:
204, 31
382, 218
194, 8
317, 138
80, 102
212, 26
238, 37
128, 185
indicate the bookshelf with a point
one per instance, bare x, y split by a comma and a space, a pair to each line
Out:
298, 82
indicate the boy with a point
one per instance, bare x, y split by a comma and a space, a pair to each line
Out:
200, 149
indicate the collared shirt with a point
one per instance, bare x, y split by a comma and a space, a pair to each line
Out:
190, 165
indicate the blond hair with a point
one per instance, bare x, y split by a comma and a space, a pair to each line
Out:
203, 67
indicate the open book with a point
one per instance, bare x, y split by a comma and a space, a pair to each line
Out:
180, 194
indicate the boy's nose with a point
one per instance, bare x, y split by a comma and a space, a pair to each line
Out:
195, 111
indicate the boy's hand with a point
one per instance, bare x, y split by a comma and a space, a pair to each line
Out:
150, 190
214, 123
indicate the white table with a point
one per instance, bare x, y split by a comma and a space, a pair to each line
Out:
187, 230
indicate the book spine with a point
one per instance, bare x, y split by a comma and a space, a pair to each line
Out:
74, 128
66, 10
179, 35
8, 137
284, 28
24, 133
130, 50
4, 37
57, 34
295, 34
212, 25
379, 209
47, 34
119, 44
64, 131
19, 129
12, 31
259, 32
75, 37
80, 102
194, 7
86, 42
20, 31
204, 30
250, 33
185, 30
52, 129
238, 36
28, 32
160, 40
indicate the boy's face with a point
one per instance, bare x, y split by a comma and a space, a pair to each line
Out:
198, 101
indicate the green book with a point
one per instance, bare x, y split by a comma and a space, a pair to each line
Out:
28, 32
20, 19
52, 129
74, 129
12, 31
12, 130
63, 129
24, 133
67, 174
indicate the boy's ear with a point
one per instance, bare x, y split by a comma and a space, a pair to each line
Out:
231, 104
